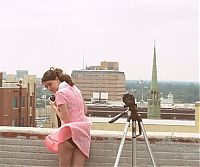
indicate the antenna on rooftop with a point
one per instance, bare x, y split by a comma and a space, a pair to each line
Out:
83, 60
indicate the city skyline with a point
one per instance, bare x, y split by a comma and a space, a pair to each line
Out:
36, 35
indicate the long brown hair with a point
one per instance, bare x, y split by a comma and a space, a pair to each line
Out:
52, 73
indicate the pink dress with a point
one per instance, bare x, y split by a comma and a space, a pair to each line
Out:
78, 128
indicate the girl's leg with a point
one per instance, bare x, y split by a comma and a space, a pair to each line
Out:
65, 151
78, 159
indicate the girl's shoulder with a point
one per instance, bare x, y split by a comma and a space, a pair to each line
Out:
75, 87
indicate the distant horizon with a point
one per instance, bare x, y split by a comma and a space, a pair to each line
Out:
143, 79
166, 81
148, 80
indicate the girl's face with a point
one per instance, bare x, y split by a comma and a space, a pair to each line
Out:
52, 85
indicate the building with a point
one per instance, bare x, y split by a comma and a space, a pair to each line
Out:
154, 100
105, 79
172, 113
169, 100
109, 65
17, 102
21, 73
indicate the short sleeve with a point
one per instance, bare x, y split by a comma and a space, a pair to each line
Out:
60, 98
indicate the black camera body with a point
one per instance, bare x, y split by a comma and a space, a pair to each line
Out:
52, 98
129, 100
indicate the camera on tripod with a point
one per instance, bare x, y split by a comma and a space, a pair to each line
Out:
129, 101
132, 118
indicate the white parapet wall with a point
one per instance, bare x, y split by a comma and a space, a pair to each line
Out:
23, 146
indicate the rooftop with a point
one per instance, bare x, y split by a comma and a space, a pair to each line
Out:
23, 146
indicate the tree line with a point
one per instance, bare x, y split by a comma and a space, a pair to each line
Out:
183, 92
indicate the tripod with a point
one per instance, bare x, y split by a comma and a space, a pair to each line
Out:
133, 116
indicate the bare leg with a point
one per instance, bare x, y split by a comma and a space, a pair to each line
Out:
78, 158
65, 151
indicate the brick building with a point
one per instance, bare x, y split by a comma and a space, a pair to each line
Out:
17, 102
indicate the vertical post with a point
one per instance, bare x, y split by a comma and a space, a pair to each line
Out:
44, 96
197, 116
20, 104
20, 101
1, 79
45, 107
45, 100
33, 105
142, 90
29, 115
142, 94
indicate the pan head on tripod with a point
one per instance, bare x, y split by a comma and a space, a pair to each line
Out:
129, 100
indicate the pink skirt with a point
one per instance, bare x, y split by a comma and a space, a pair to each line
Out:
78, 131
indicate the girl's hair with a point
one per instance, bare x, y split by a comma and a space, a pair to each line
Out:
52, 73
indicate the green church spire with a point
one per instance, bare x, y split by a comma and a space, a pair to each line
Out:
154, 84
154, 101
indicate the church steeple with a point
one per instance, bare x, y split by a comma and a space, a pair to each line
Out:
154, 101
154, 72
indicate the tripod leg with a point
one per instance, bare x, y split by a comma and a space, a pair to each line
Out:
134, 143
147, 143
121, 144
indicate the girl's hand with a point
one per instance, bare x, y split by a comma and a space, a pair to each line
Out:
53, 104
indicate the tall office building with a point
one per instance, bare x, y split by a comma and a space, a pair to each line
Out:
106, 80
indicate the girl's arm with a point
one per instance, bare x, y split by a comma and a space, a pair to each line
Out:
61, 111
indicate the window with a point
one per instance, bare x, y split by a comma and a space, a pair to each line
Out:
15, 102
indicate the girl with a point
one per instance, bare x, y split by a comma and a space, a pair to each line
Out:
72, 140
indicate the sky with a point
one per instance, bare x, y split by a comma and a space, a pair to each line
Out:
72, 34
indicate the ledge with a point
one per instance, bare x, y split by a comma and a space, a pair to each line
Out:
40, 133
145, 121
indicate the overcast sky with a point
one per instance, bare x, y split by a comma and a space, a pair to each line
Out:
38, 34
